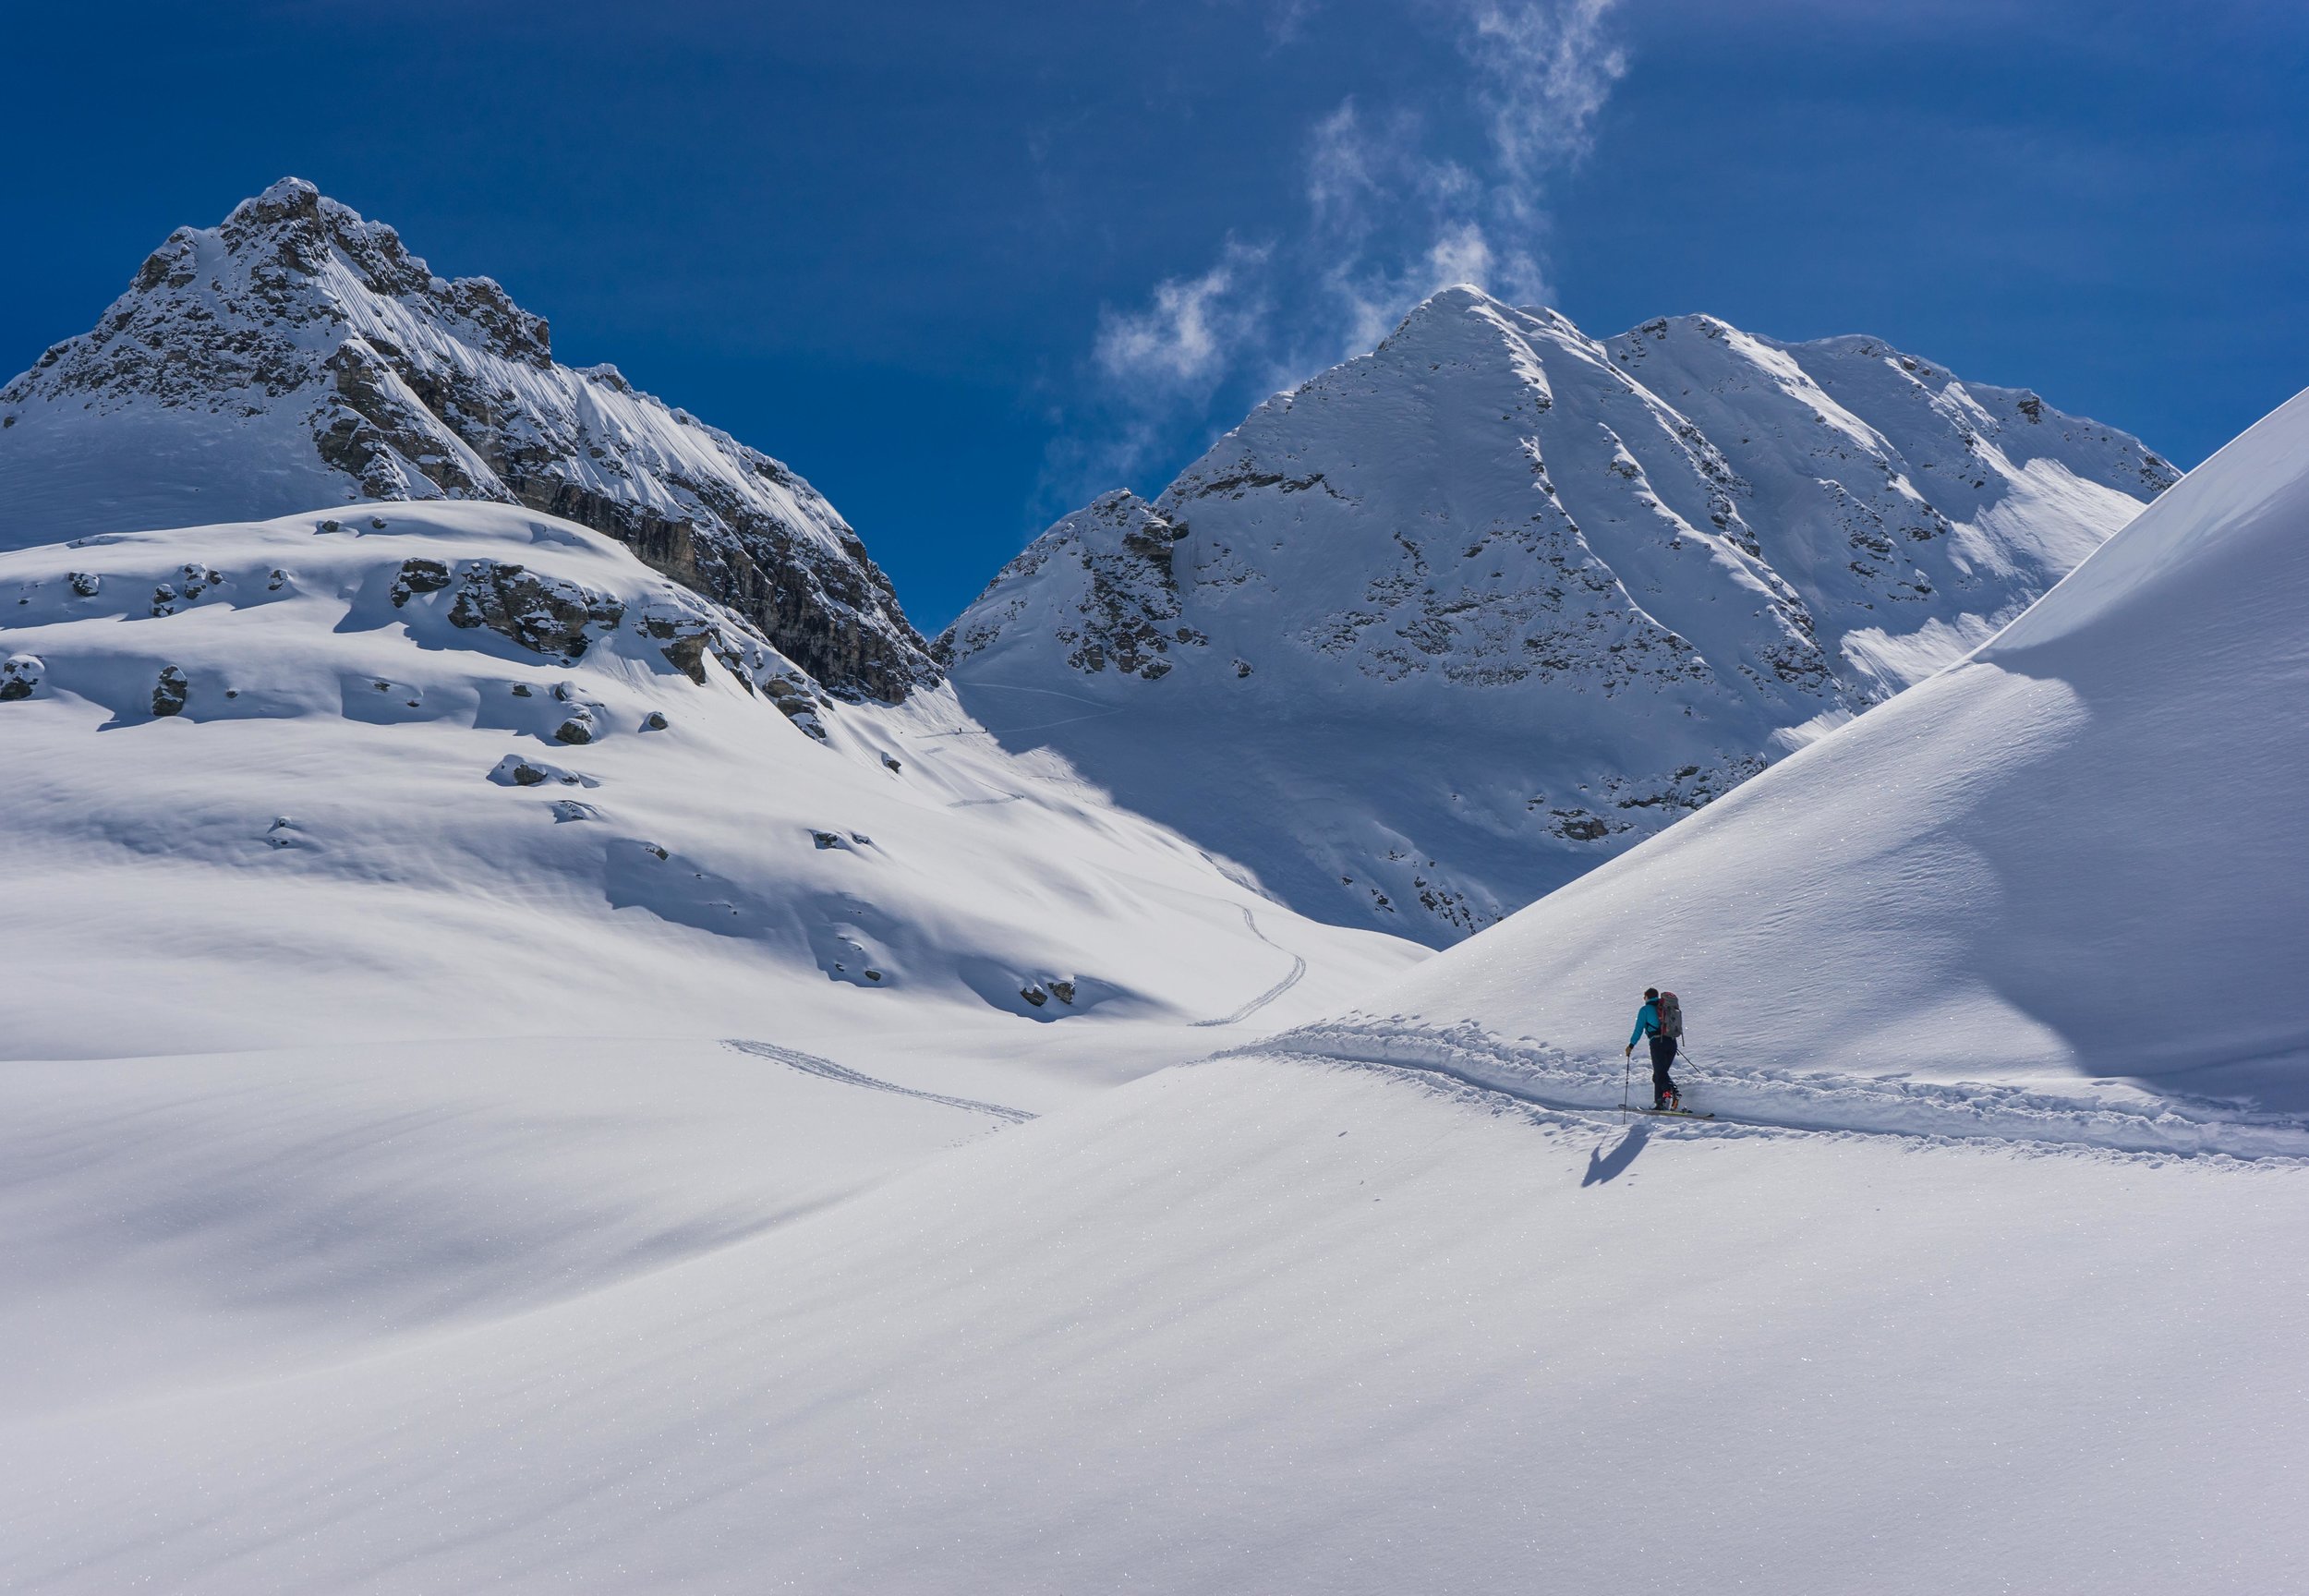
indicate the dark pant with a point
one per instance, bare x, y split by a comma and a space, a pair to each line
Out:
1663, 1055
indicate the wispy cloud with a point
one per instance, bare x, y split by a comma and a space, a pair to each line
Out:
1392, 213
1388, 223
1287, 20
1395, 221
1191, 326
1548, 70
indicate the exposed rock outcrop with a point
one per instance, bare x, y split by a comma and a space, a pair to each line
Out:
544, 614
1125, 612
297, 354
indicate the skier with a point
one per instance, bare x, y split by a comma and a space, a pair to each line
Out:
1662, 1021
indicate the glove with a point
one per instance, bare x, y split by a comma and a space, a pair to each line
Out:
1628, 1051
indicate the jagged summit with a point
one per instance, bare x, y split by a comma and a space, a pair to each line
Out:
297, 356
1450, 623
1439, 308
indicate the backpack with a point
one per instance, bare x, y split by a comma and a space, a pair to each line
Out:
1671, 1016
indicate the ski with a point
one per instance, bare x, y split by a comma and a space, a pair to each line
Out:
1670, 1113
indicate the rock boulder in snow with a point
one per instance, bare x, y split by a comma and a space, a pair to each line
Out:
171, 690
20, 677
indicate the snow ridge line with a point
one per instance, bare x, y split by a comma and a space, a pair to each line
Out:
1551, 1078
811, 1064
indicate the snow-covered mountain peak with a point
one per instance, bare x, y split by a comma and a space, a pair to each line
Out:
1458, 619
303, 226
1464, 330
299, 355
1444, 315
1449, 312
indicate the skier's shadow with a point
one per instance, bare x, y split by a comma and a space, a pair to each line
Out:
1602, 1165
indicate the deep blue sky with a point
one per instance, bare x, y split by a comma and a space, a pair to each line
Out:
918, 251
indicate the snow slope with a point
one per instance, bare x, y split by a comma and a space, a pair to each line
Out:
1253, 1325
197, 1219
821, 1310
1454, 622
297, 355
2066, 866
452, 770
461, 1134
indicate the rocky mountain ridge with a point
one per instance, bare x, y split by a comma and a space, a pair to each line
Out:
299, 356
1452, 622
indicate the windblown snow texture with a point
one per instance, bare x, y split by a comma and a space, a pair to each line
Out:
1454, 622
297, 356
2070, 863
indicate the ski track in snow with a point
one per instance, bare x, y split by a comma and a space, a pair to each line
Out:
1098, 711
1299, 968
1748, 1101
811, 1064
1046, 725
974, 802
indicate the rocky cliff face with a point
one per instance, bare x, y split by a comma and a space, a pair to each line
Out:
297, 356
1456, 620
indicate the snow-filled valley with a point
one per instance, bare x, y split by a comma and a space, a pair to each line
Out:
528, 1065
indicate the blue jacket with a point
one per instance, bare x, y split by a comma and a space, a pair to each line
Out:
1647, 1023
